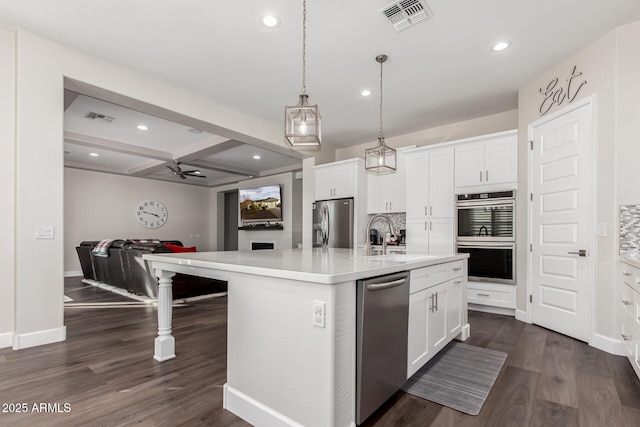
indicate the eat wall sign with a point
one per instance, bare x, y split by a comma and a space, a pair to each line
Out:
556, 94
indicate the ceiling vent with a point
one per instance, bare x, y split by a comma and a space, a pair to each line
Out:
404, 13
97, 116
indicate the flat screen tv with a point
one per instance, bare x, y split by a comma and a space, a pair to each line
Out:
260, 204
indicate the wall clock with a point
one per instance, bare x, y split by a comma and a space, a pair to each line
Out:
151, 214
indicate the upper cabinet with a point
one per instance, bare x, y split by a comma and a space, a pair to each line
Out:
336, 180
386, 193
491, 160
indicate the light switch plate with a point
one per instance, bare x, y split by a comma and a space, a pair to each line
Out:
45, 232
602, 229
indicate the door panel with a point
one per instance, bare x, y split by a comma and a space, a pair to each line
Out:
561, 219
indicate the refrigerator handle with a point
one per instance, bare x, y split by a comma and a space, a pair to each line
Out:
325, 226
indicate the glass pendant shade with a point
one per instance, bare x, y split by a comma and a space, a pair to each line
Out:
302, 124
380, 160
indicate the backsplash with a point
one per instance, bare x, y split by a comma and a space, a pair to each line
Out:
629, 229
399, 221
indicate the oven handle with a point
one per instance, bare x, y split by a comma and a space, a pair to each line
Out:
485, 203
506, 245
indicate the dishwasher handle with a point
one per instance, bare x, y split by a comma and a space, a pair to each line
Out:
386, 285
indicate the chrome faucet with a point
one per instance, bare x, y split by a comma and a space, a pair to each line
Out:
392, 229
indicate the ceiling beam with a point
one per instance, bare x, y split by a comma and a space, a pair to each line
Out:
147, 168
211, 146
117, 146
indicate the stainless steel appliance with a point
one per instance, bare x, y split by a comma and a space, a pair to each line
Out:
486, 216
382, 327
490, 261
486, 231
333, 223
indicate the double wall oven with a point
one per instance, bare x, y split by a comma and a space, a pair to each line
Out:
486, 231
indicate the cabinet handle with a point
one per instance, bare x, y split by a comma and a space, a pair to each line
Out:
626, 273
425, 226
625, 337
480, 176
431, 210
484, 295
425, 211
486, 175
436, 294
457, 269
433, 304
457, 282
390, 206
626, 302
430, 225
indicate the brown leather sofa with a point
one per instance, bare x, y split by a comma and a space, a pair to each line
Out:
124, 268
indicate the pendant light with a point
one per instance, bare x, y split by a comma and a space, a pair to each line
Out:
381, 159
302, 121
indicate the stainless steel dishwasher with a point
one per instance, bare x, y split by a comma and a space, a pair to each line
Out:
381, 350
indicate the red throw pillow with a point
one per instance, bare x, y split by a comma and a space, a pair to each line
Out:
179, 249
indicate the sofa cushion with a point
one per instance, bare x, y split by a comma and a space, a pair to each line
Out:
179, 249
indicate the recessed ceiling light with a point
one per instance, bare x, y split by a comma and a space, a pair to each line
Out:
500, 46
94, 154
270, 21
257, 157
194, 130
143, 127
365, 92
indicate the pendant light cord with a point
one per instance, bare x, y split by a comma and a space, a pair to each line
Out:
304, 46
380, 134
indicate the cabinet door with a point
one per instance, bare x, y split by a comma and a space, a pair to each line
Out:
418, 340
500, 160
437, 323
440, 240
454, 307
441, 190
376, 194
386, 193
324, 185
417, 184
417, 238
469, 169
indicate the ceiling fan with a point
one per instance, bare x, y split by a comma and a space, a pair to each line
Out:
177, 171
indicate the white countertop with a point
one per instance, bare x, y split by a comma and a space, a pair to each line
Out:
327, 266
632, 260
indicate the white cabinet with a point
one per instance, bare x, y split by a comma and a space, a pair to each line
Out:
436, 311
336, 180
386, 193
430, 200
629, 311
491, 160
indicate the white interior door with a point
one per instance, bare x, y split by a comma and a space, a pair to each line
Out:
561, 167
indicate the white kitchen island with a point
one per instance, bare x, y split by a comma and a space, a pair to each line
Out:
282, 368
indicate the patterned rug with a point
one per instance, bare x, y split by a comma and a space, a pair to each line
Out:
460, 377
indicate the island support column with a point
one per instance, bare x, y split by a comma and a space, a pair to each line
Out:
165, 343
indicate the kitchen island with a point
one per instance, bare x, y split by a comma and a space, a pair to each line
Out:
291, 342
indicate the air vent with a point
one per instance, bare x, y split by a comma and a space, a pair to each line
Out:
404, 13
97, 116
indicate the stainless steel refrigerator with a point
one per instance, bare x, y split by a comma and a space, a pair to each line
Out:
333, 223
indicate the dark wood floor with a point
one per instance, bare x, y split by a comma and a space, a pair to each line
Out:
106, 373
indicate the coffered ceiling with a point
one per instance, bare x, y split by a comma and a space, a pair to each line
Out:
440, 70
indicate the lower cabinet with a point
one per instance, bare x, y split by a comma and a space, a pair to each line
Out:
435, 311
630, 313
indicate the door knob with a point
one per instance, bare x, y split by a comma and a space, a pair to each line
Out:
581, 252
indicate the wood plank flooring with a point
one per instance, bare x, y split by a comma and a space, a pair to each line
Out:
105, 372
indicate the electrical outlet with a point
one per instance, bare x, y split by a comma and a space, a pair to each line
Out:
318, 313
602, 229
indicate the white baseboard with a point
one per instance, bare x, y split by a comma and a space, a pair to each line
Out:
522, 316
252, 411
33, 339
6, 339
73, 273
492, 309
607, 344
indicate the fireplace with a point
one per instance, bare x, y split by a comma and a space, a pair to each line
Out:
256, 246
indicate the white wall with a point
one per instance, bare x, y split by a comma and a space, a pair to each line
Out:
102, 206
7, 186
281, 238
451, 132
597, 63
628, 115
41, 68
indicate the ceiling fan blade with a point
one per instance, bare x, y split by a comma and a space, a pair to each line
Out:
182, 176
171, 169
192, 171
197, 176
